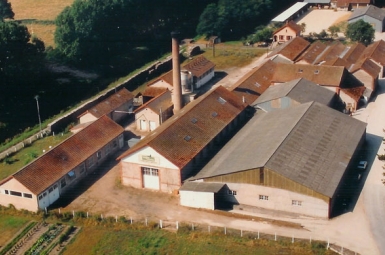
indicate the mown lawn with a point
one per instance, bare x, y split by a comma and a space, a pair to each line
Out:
99, 240
35, 12
15, 162
9, 226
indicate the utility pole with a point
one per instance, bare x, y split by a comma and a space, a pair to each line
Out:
38, 110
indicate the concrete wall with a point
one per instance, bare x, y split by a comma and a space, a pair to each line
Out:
146, 115
131, 172
197, 199
20, 202
285, 33
204, 78
279, 199
368, 82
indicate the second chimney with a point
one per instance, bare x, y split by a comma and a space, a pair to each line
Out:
176, 80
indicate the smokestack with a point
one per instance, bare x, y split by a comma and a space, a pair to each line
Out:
177, 89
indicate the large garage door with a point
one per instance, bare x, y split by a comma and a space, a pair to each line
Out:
53, 194
152, 125
150, 178
143, 125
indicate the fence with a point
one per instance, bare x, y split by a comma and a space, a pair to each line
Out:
204, 228
24, 143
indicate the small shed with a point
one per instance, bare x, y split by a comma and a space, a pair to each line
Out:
204, 195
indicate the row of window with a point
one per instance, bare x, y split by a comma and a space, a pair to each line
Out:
17, 194
150, 171
51, 189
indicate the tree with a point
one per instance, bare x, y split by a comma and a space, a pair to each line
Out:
334, 30
208, 21
6, 10
360, 31
303, 27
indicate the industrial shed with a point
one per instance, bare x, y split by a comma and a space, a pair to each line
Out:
293, 160
204, 195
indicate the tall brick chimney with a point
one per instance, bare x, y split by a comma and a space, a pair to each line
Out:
177, 88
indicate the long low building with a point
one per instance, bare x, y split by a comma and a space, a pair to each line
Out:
40, 183
293, 160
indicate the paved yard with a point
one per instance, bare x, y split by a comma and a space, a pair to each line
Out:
316, 20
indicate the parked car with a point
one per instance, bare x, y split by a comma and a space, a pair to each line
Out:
362, 165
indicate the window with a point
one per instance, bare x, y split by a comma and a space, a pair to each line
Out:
63, 182
288, 37
15, 193
296, 202
281, 37
114, 143
6, 191
55, 186
90, 162
232, 192
50, 189
263, 197
27, 195
40, 197
44, 194
108, 148
99, 154
72, 175
82, 168
150, 171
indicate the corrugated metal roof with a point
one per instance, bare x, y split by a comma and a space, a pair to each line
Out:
54, 164
371, 11
311, 144
300, 90
111, 103
213, 112
202, 187
289, 12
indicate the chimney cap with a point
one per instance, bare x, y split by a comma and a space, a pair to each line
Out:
175, 34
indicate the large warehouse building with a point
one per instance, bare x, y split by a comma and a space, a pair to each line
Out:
292, 160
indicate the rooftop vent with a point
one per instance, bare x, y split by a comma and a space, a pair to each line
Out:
214, 114
194, 120
300, 70
221, 100
187, 138
257, 84
316, 72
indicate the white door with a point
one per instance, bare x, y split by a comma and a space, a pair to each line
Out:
53, 194
150, 178
152, 125
143, 125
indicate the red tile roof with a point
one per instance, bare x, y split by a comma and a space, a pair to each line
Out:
321, 75
110, 103
153, 91
183, 136
376, 52
354, 53
332, 51
345, 3
292, 25
312, 52
291, 49
336, 61
155, 104
56, 163
198, 66
255, 82
368, 66
354, 93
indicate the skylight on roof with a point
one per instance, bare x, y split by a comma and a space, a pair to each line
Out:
187, 138
214, 114
257, 84
300, 70
194, 120
316, 72
221, 100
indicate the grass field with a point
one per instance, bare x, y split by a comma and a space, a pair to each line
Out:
28, 154
99, 240
9, 226
39, 11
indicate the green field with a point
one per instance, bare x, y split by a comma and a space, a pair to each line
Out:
99, 240
9, 226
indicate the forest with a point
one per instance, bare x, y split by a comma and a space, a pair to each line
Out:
110, 38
